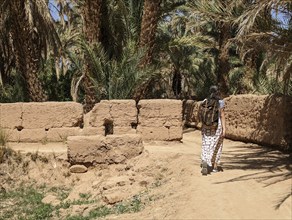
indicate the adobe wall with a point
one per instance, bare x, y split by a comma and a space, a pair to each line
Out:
261, 119
55, 121
40, 122
160, 119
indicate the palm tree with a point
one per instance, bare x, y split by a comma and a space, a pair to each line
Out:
151, 15
219, 15
91, 12
258, 27
31, 31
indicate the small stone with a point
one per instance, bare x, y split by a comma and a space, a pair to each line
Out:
78, 169
143, 183
113, 198
51, 199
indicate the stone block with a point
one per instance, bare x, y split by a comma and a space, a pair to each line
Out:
12, 135
175, 133
124, 130
87, 149
11, 115
154, 133
160, 122
154, 108
128, 145
52, 115
33, 135
100, 113
87, 131
61, 134
103, 150
120, 112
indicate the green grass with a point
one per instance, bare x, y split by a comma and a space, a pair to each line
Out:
5, 153
3, 137
133, 205
26, 203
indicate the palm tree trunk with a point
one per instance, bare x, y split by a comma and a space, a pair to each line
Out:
27, 52
151, 13
91, 11
92, 14
223, 63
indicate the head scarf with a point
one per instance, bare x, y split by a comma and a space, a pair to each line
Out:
214, 92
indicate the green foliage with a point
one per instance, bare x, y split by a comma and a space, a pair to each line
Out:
3, 137
36, 156
133, 205
113, 79
56, 87
5, 153
28, 203
187, 45
14, 89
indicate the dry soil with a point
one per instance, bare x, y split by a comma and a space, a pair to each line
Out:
255, 182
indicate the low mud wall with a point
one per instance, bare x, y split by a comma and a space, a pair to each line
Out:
55, 121
261, 119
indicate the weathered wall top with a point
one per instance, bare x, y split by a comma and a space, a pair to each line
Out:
55, 121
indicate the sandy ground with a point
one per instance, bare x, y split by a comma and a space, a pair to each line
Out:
255, 182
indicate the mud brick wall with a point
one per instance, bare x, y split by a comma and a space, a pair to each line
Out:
260, 119
160, 119
41, 122
113, 117
55, 121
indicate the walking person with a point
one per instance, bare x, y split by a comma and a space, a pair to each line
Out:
211, 115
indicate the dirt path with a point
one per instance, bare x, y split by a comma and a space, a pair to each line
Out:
253, 185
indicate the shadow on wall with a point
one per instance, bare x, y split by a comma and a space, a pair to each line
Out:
275, 122
270, 167
190, 117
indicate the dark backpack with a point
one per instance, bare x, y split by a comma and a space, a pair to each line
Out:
209, 112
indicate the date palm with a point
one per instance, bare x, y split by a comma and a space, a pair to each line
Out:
31, 31
91, 12
151, 15
259, 29
215, 12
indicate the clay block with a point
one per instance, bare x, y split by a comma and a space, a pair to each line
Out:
175, 133
33, 135
61, 134
120, 112
52, 115
103, 150
12, 135
124, 130
154, 133
11, 115
87, 149
87, 131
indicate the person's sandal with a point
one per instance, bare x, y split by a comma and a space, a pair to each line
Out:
204, 170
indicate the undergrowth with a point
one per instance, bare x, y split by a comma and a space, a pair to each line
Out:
26, 203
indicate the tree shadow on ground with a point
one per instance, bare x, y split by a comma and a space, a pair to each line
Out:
271, 166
